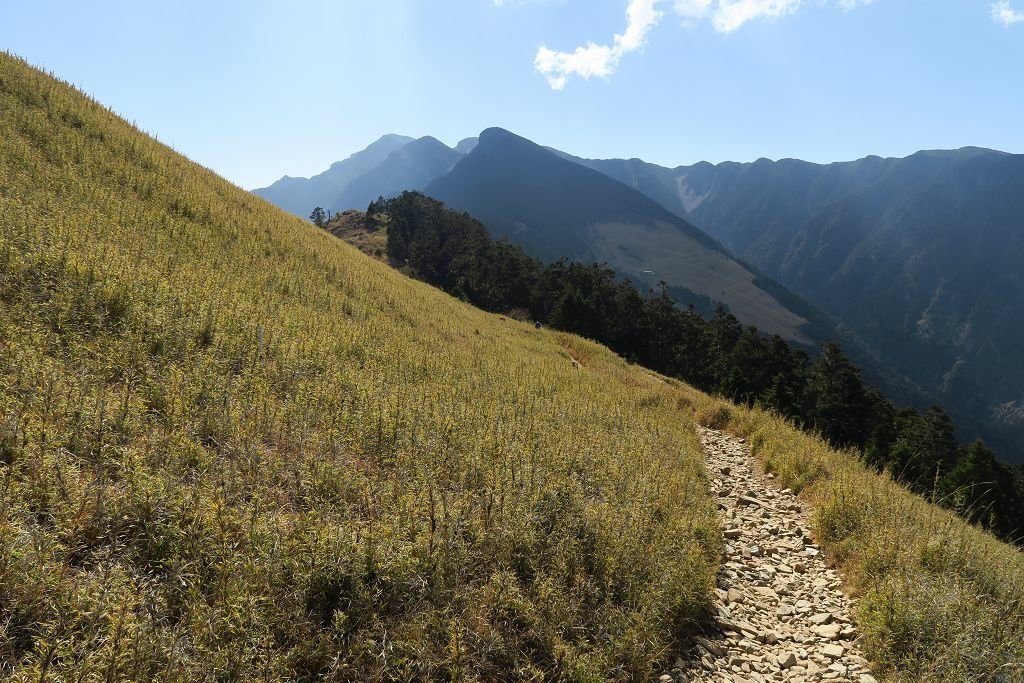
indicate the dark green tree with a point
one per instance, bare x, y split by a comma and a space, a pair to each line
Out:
984, 490
319, 217
839, 404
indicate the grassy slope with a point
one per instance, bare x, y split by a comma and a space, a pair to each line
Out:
232, 447
940, 600
351, 226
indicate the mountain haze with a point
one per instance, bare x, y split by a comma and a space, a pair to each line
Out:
301, 195
466, 145
410, 167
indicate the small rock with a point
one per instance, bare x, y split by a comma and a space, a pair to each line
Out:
829, 632
787, 660
833, 651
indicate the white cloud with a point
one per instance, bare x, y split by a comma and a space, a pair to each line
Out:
729, 15
599, 60
692, 10
852, 4
725, 16
1004, 13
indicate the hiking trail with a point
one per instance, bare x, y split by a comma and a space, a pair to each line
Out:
779, 613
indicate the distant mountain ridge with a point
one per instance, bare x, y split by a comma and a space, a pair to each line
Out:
554, 208
410, 167
919, 259
922, 257
301, 195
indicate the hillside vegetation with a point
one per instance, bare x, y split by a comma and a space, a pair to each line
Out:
828, 396
234, 448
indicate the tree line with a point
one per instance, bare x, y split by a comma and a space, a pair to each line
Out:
826, 394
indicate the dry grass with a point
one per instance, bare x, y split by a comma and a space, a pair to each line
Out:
352, 227
939, 600
234, 448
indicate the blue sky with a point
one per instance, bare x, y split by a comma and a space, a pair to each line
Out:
257, 89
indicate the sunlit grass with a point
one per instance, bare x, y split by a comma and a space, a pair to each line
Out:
234, 448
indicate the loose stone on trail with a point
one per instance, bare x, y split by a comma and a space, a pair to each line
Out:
779, 613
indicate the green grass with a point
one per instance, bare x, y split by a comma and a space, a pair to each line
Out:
234, 448
939, 600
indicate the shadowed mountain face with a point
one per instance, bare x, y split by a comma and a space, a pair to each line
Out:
301, 195
922, 258
410, 167
555, 208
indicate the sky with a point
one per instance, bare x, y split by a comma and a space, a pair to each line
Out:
259, 89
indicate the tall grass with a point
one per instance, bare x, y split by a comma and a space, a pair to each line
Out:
234, 448
940, 600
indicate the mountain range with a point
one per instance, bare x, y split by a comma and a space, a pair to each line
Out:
301, 195
921, 257
917, 264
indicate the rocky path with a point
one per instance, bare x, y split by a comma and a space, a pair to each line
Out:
779, 614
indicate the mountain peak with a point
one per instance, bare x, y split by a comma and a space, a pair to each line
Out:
428, 142
493, 135
393, 137
467, 145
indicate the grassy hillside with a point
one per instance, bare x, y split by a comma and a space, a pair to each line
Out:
940, 600
352, 227
233, 447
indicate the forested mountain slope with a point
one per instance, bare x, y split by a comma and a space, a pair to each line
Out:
556, 208
922, 258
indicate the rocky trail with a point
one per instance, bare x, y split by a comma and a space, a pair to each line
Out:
780, 613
